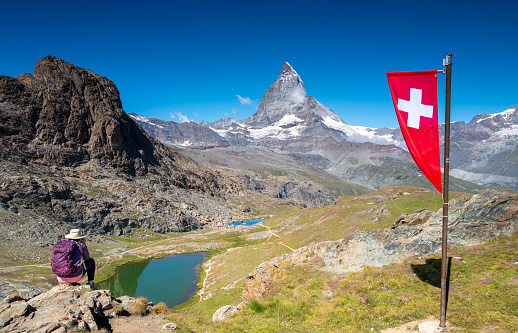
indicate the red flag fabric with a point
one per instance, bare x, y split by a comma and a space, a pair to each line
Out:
414, 95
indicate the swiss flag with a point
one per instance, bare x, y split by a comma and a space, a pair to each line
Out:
415, 99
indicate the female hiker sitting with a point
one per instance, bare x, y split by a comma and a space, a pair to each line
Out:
71, 259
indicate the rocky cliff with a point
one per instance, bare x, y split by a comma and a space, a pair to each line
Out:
65, 115
72, 156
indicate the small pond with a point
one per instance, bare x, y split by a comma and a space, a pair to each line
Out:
246, 223
172, 280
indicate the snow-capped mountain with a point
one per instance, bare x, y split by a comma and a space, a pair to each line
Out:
185, 135
287, 112
287, 98
485, 151
289, 121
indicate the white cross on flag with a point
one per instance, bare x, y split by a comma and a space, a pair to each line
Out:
414, 95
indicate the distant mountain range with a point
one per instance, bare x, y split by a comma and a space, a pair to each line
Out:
290, 122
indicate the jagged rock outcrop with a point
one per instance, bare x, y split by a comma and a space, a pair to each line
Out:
473, 221
72, 155
64, 115
419, 216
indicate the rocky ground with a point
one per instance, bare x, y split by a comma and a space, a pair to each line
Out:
70, 307
150, 323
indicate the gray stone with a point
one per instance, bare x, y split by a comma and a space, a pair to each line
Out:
169, 326
224, 312
53, 328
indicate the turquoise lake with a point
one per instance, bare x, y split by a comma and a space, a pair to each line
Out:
172, 280
247, 222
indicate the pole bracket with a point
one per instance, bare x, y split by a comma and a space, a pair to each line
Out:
445, 62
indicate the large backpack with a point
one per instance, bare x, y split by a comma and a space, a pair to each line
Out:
62, 262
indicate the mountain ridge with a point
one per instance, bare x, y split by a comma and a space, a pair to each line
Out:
287, 120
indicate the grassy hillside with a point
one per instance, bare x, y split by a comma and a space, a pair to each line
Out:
348, 214
227, 270
483, 296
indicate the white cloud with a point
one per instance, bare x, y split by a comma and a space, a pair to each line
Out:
180, 116
234, 111
227, 114
245, 100
298, 96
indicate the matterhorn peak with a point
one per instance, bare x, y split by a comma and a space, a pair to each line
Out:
287, 69
290, 75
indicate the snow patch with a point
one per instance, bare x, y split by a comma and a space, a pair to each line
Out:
277, 130
186, 143
505, 114
361, 133
512, 131
144, 120
221, 133
288, 119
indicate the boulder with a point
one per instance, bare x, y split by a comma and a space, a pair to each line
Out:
224, 312
418, 216
169, 326
62, 308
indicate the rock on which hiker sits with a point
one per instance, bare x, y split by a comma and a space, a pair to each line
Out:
65, 305
169, 326
224, 312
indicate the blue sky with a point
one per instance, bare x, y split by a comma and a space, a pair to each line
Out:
189, 60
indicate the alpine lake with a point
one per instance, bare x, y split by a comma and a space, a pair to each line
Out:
172, 280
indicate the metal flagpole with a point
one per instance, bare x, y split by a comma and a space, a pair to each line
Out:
444, 264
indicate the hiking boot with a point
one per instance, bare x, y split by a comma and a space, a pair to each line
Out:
91, 285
